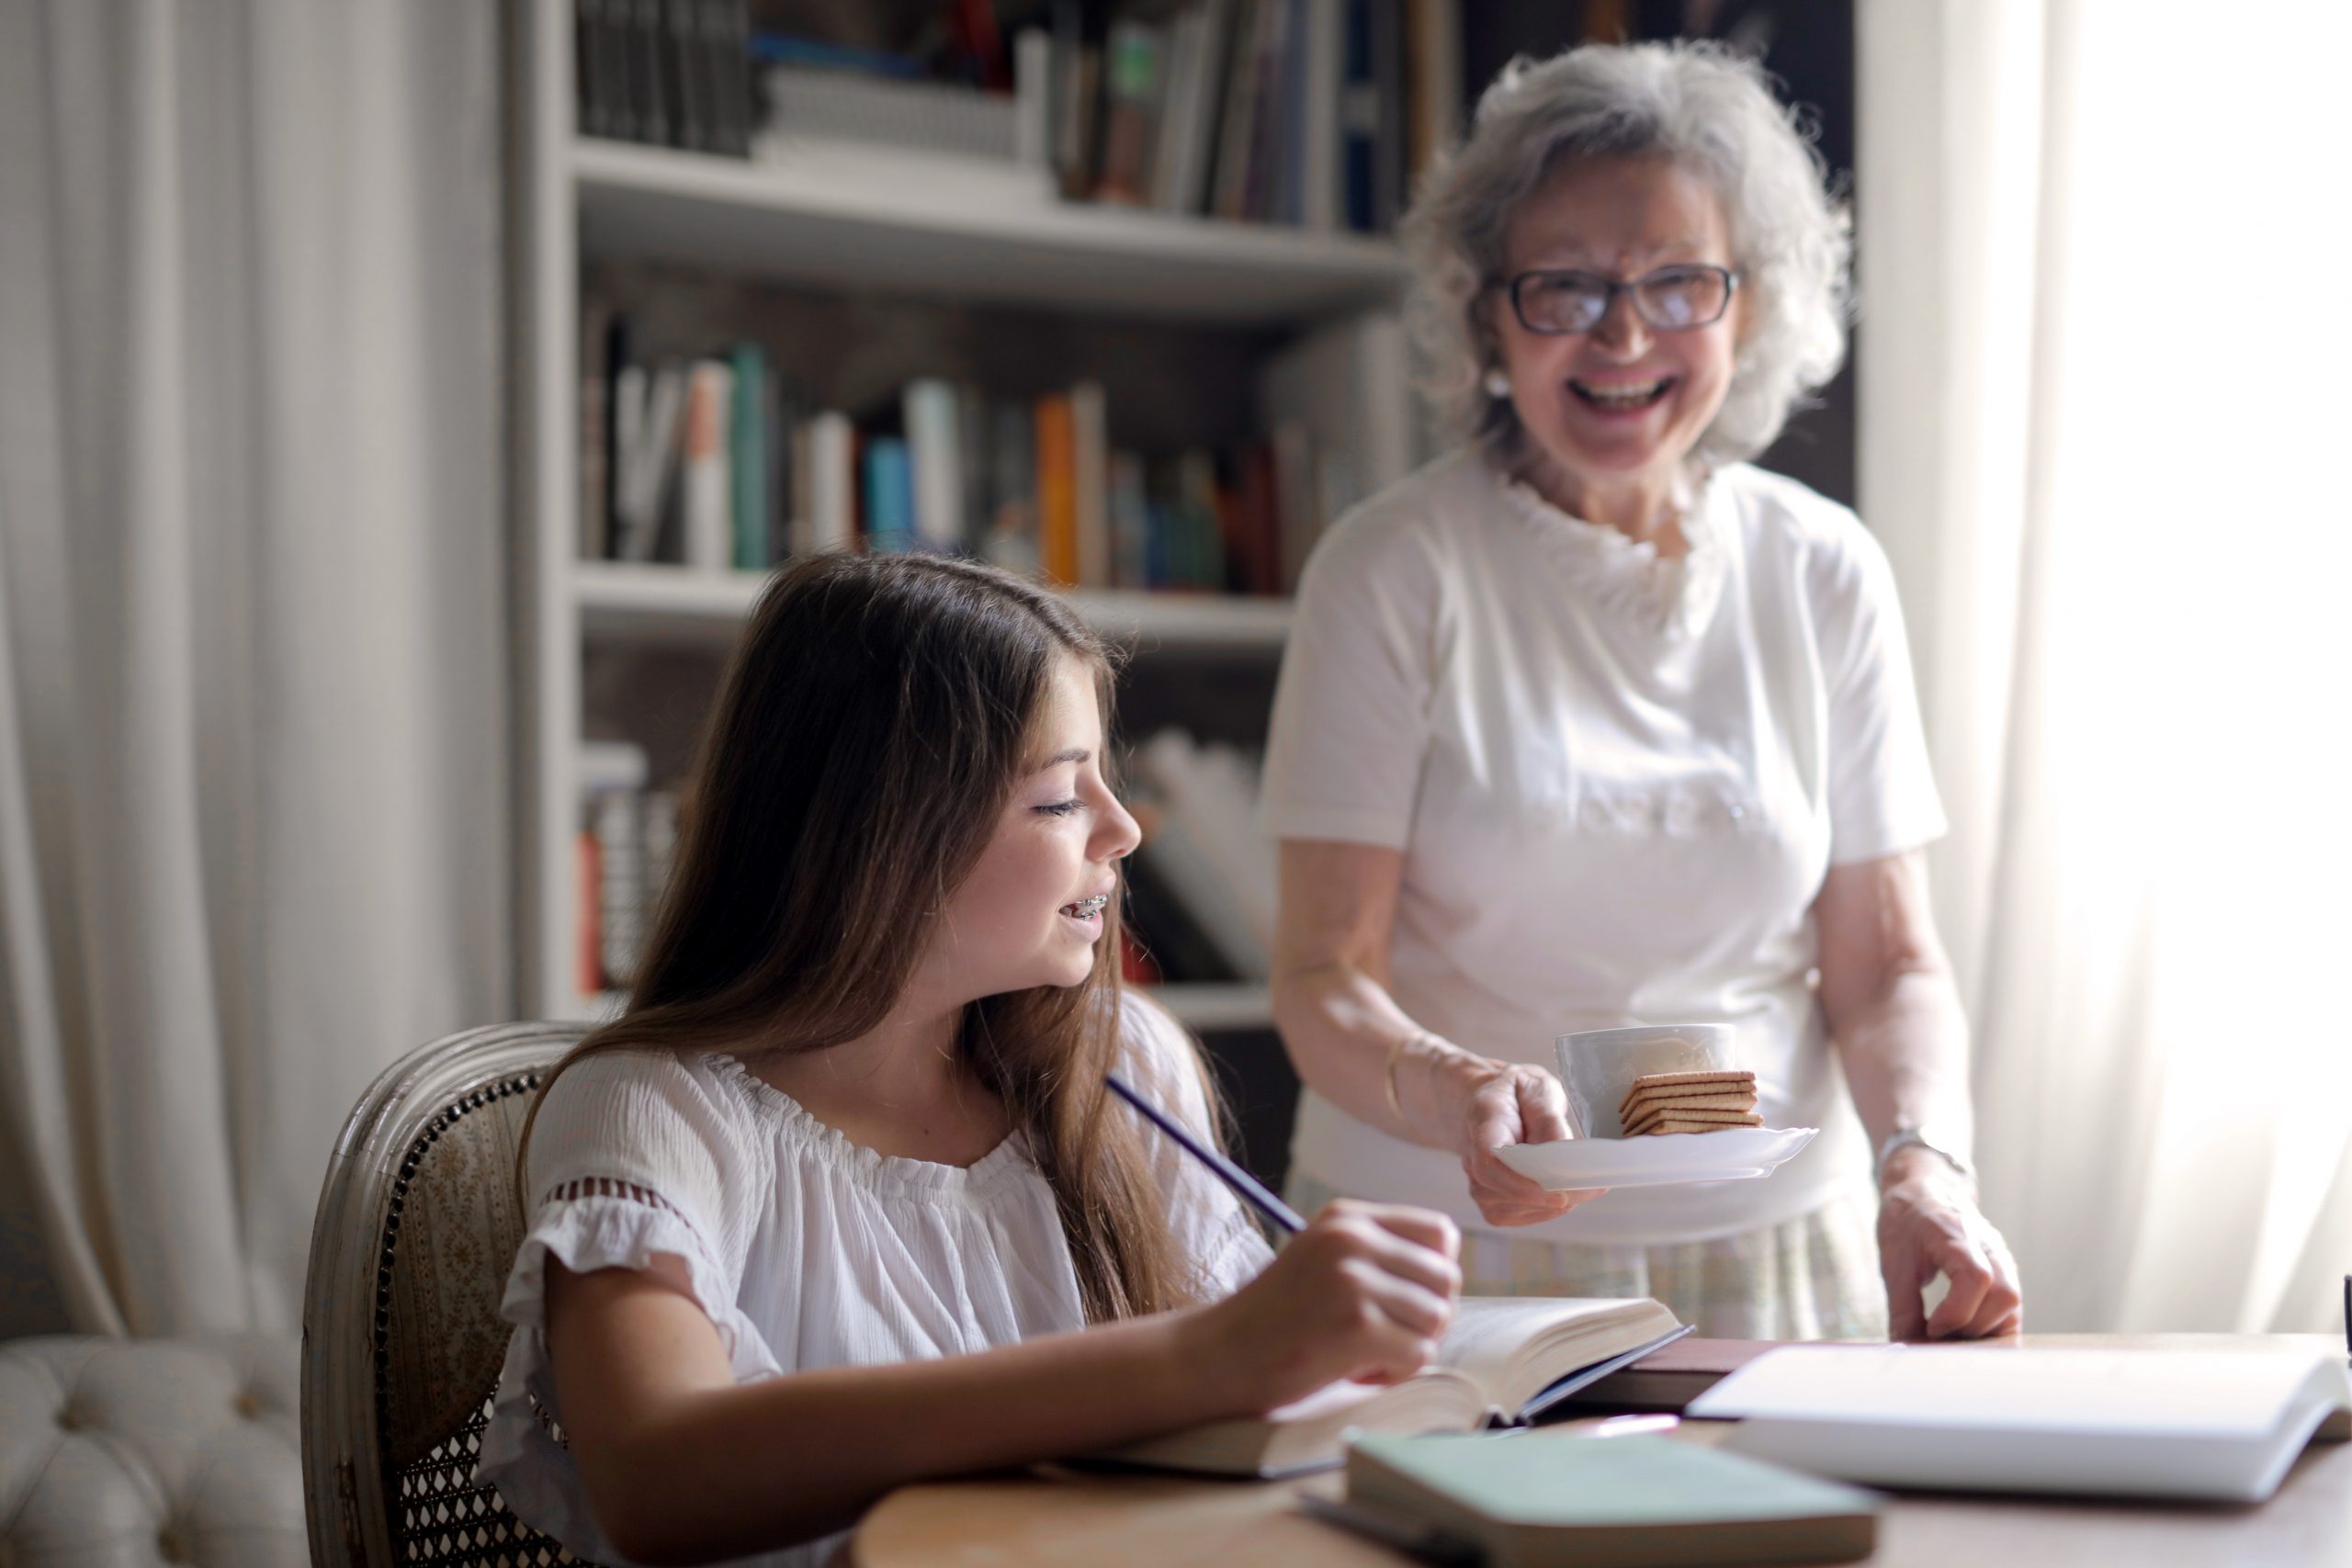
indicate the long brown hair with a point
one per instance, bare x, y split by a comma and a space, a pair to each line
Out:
875, 720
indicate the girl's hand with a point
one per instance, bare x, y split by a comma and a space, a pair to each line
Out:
1489, 1105
1363, 1292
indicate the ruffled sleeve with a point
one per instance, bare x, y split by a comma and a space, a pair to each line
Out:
634, 1155
1215, 1230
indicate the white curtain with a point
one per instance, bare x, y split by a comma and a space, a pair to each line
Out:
2103, 357
253, 688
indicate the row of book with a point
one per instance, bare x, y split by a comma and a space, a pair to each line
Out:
1315, 113
717, 464
673, 73
1201, 888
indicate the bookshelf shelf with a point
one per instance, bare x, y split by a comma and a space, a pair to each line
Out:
932, 233
622, 603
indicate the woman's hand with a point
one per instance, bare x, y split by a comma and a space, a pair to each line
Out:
1929, 1224
1363, 1292
1489, 1105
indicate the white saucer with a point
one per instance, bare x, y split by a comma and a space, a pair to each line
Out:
1664, 1160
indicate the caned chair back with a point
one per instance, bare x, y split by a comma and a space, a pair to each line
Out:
402, 1340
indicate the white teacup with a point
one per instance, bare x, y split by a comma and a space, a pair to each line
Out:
1598, 1067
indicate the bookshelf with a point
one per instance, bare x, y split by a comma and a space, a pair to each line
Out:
578, 202
658, 603
826, 225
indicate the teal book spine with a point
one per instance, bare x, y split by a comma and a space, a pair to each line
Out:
890, 495
748, 460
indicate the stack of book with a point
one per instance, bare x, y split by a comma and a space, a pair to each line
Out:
673, 73
720, 463
624, 846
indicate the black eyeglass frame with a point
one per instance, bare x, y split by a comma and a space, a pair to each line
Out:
1613, 287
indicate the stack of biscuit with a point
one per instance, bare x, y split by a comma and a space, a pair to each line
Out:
1689, 1102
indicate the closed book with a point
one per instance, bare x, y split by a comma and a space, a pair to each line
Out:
747, 455
1186, 80
651, 116
1057, 490
933, 420
587, 907
2190, 1425
830, 475
647, 414
1493, 1365
1131, 102
1546, 1501
1236, 128
1322, 64
1669, 1379
1012, 541
683, 75
709, 500
890, 495
1090, 436
1130, 522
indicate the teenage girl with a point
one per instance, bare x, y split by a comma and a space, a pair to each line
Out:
841, 1202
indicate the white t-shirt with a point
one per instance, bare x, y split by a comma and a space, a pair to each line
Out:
804, 1249
1617, 782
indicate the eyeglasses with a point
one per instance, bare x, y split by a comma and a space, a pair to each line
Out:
1671, 299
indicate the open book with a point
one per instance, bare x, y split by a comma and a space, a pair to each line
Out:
2218, 1425
1500, 1363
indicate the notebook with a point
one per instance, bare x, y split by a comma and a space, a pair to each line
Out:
2205, 1424
1516, 1501
1495, 1364
1667, 1378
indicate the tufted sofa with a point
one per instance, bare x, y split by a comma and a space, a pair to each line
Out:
118, 1452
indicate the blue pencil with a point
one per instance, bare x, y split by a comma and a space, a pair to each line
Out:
1232, 1175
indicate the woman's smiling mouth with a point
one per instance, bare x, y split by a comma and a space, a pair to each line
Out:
1620, 397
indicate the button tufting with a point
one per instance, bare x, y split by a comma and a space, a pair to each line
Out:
68, 1419
171, 1541
248, 1405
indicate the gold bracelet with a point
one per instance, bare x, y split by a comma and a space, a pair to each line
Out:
1396, 1053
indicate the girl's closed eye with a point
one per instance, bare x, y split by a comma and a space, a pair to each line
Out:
1063, 808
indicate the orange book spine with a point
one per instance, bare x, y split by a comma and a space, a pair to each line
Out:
1057, 490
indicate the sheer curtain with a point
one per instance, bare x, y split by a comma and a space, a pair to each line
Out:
253, 692
2103, 369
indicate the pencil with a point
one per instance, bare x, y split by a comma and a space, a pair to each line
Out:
1232, 1175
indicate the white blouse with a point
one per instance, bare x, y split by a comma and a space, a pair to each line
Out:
805, 1249
1618, 781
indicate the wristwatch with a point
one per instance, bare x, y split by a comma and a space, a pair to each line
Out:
1918, 1138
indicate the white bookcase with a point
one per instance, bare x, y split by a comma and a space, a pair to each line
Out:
576, 200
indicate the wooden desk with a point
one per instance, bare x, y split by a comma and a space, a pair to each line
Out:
1168, 1523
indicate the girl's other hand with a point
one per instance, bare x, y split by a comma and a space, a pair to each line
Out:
1363, 1292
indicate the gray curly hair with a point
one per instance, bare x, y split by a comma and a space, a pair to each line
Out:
1711, 112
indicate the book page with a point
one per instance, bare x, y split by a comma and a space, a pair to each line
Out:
1514, 1346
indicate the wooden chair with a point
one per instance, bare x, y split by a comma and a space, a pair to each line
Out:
402, 1340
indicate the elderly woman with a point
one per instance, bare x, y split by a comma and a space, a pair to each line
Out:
1591, 723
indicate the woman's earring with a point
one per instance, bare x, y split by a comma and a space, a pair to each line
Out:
1497, 383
